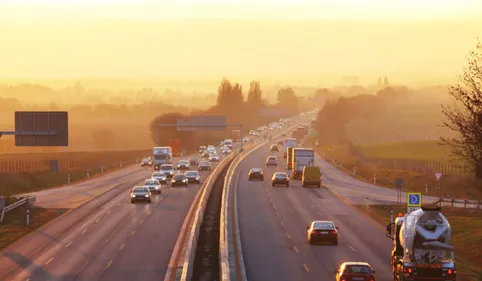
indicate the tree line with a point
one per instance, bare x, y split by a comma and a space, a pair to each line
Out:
248, 110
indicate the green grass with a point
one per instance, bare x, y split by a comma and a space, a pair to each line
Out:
421, 150
466, 235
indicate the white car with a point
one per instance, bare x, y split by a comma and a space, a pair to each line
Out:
245, 139
153, 185
226, 151
213, 158
211, 149
167, 169
160, 176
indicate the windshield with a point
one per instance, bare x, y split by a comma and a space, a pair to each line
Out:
280, 175
191, 174
140, 190
183, 162
357, 269
160, 157
151, 182
159, 175
204, 164
179, 177
166, 167
324, 225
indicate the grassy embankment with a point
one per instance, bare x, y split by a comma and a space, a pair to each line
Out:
415, 181
24, 182
466, 235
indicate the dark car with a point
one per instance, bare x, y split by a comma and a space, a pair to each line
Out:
182, 165
193, 162
167, 169
140, 193
280, 178
153, 185
179, 180
355, 271
146, 162
322, 232
274, 148
256, 174
193, 177
204, 166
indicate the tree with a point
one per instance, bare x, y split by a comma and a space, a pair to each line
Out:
224, 93
385, 81
254, 96
467, 121
288, 100
104, 138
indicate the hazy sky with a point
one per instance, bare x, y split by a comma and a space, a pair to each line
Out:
418, 38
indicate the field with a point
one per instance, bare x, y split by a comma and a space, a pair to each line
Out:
414, 162
467, 243
423, 150
23, 173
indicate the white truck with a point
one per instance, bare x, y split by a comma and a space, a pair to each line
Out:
422, 249
288, 142
161, 155
302, 157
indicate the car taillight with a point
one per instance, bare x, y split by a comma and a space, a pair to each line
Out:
342, 278
313, 232
372, 278
334, 231
287, 179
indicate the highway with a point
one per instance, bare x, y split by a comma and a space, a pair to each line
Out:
107, 238
273, 222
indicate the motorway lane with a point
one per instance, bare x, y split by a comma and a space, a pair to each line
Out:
273, 224
76, 194
114, 241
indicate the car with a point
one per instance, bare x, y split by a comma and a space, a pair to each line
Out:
153, 185
193, 176
211, 149
271, 161
274, 148
213, 158
245, 139
179, 180
322, 231
140, 193
202, 148
193, 162
182, 165
311, 176
204, 166
228, 143
146, 162
354, 271
226, 151
160, 176
206, 154
280, 178
256, 173
167, 169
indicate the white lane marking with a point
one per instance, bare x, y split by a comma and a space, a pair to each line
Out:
142, 221
110, 237
289, 236
109, 211
68, 244
84, 231
320, 213
296, 249
50, 260
306, 268
133, 232
97, 220
282, 224
353, 249
122, 246
109, 264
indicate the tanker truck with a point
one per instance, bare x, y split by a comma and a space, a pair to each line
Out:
422, 249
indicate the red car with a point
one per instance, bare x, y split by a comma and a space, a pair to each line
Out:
322, 232
355, 271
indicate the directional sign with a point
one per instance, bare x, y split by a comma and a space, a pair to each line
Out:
414, 199
438, 175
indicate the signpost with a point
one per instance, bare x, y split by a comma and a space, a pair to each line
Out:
40, 128
438, 175
399, 184
414, 201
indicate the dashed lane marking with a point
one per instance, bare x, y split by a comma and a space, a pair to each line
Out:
109, 264
142, 221
282, 224
122, 246
296, 249
289, 236
353, 249
84, 231
277, 214
306, 268
133, 232
49, 261
68, 244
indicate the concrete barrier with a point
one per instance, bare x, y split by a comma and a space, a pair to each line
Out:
181, 263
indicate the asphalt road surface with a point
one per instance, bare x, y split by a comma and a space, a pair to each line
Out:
107, 238
273, 224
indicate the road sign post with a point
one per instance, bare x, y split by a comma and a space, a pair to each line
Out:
414, 201
399, 185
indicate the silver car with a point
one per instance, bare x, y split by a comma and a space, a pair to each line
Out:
153, 185
160, 176
213, 158
167, 169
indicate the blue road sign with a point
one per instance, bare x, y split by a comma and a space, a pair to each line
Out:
399, 183
414, 199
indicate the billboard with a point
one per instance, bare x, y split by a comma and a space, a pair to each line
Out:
201, 123
41, 128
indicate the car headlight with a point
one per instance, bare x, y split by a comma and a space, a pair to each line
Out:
197, 178
184, 180
133, 195
147, 195
157, 187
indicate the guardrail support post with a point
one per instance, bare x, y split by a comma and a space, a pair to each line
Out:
101, 169
28, 216
68, 179
88, 174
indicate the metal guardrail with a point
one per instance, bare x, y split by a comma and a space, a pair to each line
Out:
29, 200
458, 203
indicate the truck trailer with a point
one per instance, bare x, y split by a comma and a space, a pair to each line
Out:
160, 155
301, 157
422, 250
